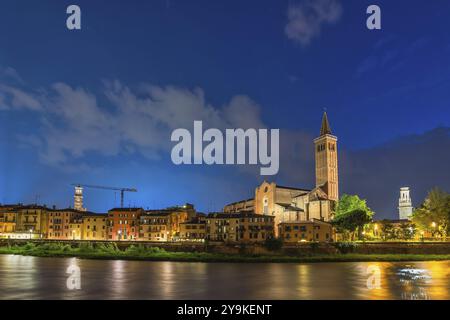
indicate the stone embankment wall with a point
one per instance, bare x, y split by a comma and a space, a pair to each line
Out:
291, 250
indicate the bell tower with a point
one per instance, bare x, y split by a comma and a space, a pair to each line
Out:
326, 160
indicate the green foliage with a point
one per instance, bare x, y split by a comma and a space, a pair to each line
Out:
434, 214
86, 247
345, 247
352, 213
407, 231
352, 221
273, 244
29, 246
350, 203
110, 248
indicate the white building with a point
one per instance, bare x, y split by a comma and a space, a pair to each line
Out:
405, 208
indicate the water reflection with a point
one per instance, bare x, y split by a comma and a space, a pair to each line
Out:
45, 278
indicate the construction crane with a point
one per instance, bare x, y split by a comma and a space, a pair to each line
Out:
122, 190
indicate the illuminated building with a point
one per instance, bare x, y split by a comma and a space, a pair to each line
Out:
94, 226
164, 224
59, 221
194, 229
302, 231
123, 223
239, 227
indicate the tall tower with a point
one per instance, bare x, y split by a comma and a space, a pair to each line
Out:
405, 208
326, 160
78, 199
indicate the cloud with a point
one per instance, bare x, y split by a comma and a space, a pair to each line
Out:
391, 59
305, 19
8, 73
12, 97
73, 123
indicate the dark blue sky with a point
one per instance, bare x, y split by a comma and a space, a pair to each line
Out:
64, 93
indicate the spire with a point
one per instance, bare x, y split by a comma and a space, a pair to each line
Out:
325, 128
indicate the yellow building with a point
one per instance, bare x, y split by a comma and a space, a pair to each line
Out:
59, 223
242, 227
306, 231
194, 229
94, 226
162, 225
76, 228
32, 220
8, 214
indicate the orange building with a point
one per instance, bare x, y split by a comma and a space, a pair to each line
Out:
123, 223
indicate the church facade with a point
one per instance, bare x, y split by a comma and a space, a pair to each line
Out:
291, 204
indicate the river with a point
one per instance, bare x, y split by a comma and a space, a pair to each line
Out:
24, 277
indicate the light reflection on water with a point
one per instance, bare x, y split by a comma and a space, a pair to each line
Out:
45, 278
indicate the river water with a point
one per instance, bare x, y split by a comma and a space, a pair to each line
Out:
46, 278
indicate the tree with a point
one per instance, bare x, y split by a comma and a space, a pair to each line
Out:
352, 221
406, 231
351, 202
434, 214
387, 230
352, 213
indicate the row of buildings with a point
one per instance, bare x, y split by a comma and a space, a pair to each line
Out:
181, 223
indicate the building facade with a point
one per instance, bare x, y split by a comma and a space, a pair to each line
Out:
32, 220
8, 214
94, 226
123, 223
194, 229
59, 223
306, 231
241, 227
247, 205
162, 225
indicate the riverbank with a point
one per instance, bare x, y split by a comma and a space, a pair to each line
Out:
140, 253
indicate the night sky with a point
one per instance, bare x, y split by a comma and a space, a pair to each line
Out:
98, 105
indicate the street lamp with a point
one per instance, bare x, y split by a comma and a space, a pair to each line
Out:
31, 230
119, 232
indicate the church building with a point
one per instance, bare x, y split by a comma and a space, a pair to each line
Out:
291, 204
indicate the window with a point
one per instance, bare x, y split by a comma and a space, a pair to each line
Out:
265, 206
